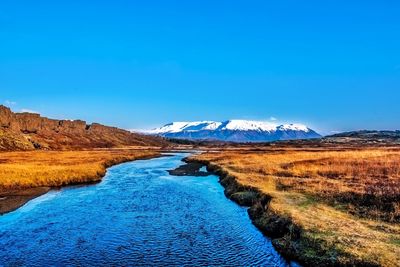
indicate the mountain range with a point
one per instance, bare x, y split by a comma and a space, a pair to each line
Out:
234, 131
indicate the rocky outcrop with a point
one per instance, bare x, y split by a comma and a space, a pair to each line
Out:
5, 116
25, 131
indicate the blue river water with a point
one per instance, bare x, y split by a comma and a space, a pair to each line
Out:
138, 215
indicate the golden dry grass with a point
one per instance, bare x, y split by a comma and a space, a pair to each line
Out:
329, 194
27, 169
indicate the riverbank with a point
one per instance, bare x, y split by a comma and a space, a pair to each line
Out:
28, 174
303, 226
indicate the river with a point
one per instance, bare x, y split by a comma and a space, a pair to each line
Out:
138, 215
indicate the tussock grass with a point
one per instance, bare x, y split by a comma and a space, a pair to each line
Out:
20, 170
347, 200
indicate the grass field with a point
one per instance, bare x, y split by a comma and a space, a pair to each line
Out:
20, 170
345, 201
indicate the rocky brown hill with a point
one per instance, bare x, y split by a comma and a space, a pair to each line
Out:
28, 131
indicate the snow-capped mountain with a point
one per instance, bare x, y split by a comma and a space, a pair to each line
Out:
234, 131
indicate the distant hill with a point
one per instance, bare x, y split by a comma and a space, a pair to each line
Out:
28, 131
370, 134
234, 131
366, 137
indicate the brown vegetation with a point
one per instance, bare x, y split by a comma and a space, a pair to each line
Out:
344, 203
21, 170
25, 175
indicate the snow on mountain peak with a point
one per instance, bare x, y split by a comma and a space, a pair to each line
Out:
180, 126
293, 127
245, 125
173, 127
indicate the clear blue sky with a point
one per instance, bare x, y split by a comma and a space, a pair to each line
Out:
334, 65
